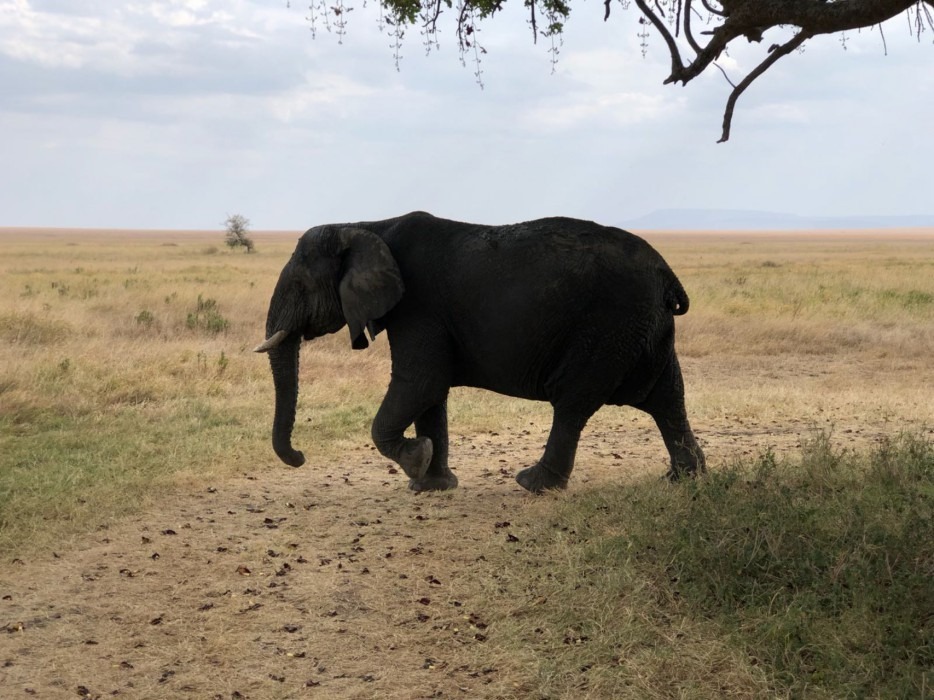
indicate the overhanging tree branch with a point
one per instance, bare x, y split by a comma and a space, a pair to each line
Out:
691, 52
815, 16
688, 34
752, 18
776, 53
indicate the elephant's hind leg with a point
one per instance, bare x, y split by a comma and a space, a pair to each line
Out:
665, 403
578, 389
433, 424
553, 470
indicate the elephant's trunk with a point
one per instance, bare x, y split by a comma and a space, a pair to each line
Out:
284, 362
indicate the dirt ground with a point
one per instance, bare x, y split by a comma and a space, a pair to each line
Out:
334, 581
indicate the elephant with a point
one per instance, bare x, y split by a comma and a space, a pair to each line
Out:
560, 310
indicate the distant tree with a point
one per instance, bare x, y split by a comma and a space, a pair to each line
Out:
692, 50
238, 229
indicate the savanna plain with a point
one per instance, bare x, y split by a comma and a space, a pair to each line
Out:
152, 546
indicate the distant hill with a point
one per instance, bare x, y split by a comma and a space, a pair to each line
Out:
750, 220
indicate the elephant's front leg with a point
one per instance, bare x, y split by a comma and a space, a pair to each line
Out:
401, 407
433, 424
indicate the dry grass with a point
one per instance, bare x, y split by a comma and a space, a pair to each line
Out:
130, 410
807, 296
111, 366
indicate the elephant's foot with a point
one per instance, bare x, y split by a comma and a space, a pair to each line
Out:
676, 475
415, 457
434, 482
692, 466
687, 459
537, 479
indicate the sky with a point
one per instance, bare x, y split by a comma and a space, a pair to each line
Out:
177, 113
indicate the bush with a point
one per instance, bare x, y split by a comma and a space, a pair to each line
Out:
145, 318
206, 317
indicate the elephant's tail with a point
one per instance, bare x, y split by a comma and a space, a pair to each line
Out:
676, 299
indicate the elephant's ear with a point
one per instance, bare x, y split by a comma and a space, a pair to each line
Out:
370, 284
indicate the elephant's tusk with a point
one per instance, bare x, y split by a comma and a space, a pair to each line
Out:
271, 342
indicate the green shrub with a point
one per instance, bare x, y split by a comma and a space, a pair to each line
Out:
206, 317
145, 318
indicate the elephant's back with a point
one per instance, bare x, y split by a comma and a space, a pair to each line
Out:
555, 261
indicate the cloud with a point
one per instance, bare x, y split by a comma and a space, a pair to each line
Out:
130, 38
587, 110
56, 40
321, 96
183, 13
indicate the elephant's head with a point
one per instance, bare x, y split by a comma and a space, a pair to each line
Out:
337, 276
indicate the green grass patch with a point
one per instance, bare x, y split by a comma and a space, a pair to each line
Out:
811, 577
63, 473
910, 299
335, 421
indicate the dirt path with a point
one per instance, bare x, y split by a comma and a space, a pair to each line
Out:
326, 581
331, 580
